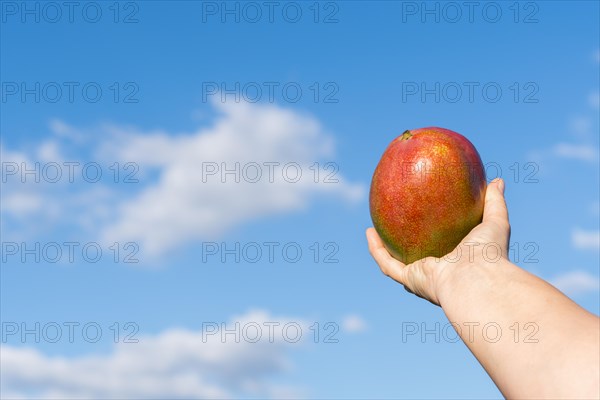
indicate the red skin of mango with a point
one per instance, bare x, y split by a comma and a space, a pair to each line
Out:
427, 193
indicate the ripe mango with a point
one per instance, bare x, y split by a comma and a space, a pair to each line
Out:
427, 193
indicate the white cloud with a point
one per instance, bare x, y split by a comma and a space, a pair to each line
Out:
354, 324
582, 152
585, 239
186, 205
576, 282
179, 205
176, 363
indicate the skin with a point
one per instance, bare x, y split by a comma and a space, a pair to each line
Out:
474, 288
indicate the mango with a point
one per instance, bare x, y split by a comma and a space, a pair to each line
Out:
427, 193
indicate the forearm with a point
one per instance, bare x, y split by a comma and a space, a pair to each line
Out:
536, 342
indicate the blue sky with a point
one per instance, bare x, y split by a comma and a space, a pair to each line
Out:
367, 72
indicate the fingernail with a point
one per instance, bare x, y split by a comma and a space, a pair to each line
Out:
501, 185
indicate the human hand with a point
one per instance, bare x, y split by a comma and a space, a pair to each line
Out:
430, 277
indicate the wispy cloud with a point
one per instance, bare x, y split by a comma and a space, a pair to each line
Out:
354, 324
203, 184
583, 152
176, 363
576, 282
583, 239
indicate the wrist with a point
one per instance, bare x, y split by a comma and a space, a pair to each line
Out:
458, 279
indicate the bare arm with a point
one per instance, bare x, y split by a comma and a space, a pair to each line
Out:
533, 341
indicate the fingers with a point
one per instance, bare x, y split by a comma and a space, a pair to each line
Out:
388, 264
495, 210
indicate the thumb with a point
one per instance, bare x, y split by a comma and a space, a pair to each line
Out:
495, 210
